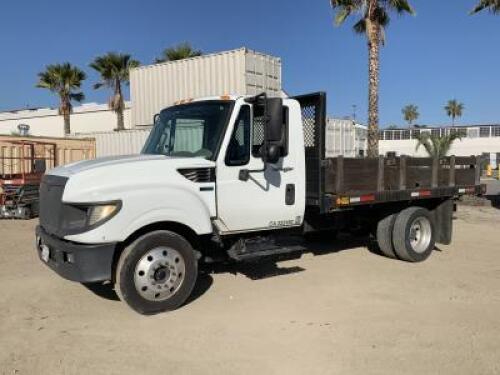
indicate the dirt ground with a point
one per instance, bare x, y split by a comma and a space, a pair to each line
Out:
345, 310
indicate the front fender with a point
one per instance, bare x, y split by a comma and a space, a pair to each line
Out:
140, 209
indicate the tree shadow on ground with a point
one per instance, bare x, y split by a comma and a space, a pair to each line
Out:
270, 266
104, 290
257, 270
107, 291
495, 200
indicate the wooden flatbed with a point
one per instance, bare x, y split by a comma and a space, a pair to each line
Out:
337, 183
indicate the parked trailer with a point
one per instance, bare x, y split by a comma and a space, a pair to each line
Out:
23, 161
251, 186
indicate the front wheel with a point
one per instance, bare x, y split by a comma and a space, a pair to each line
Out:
156, 273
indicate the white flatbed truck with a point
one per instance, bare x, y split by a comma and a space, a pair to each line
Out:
222, 178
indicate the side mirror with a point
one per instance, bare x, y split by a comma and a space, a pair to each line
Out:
155, 118
272, 111
273, 132
274, 120
273, 153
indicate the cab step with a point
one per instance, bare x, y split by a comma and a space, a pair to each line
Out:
264, 246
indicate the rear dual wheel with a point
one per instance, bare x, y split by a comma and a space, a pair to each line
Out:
408, 235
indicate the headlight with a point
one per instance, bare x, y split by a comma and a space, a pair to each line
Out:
97, 214
79, 218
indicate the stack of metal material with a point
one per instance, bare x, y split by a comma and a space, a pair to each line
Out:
18, 201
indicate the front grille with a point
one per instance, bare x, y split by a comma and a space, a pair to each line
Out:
199, 174
51, 192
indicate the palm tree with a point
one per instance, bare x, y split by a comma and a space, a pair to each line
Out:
65, 80
374, 18
114, 69
492, 5
436, 146
410, 114
454, 109
179, 52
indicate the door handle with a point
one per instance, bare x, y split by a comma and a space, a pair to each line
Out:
290, 194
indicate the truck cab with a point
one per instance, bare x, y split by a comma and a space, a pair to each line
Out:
222, 165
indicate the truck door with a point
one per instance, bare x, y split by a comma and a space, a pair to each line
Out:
271, 196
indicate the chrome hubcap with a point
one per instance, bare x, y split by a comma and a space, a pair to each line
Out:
159, 274
420, 234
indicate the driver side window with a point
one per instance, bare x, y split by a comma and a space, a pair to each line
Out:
238, 150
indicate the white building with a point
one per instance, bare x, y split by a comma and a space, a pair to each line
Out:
476, 140
87, 118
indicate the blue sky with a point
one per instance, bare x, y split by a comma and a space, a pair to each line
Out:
440, 54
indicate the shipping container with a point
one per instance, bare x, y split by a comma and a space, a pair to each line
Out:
112, 143
17, 153
241, 71
188, 137
344, 137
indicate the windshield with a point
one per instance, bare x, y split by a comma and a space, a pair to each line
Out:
190, 130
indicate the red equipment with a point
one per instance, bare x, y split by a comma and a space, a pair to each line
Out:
22, 165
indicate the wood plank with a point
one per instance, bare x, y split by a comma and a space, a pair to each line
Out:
402, 173
380, 173
465, 160
418, 162
339, 187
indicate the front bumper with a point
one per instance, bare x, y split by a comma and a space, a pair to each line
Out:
73, 261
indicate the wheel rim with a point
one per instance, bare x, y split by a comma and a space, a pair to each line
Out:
420, 234
159, 274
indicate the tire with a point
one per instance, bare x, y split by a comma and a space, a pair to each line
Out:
414, 234
385, 228
156, 273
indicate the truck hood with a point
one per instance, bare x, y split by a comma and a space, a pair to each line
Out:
112, 162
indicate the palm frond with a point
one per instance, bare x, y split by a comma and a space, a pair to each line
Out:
401, 6
360, 26
179, 52
374, 13
436, 146
113, 69
77, 96
62, 79
447, 141
342, 15
454, 109
491, 5
423, 139
410, 113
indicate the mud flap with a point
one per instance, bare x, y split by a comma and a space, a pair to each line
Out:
443, 218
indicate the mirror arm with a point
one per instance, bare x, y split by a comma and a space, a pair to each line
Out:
244, 174
284, 170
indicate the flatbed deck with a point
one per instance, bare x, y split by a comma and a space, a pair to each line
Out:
337, 183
